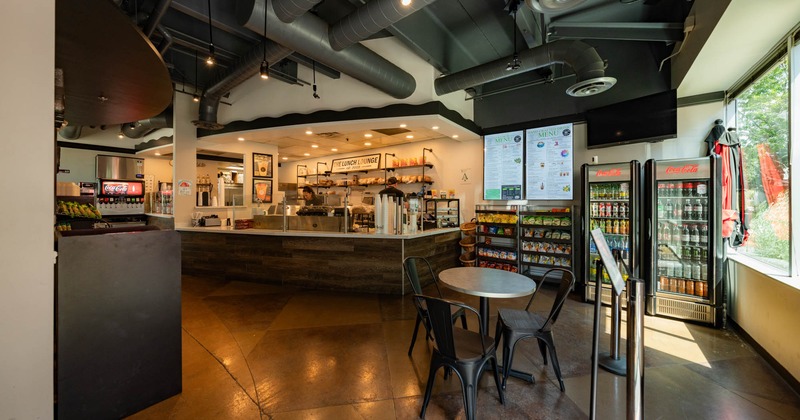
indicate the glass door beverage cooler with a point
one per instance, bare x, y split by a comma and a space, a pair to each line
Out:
683, 272
610, 202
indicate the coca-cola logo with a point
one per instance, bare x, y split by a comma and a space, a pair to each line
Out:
609, 172
115, 189
685, 169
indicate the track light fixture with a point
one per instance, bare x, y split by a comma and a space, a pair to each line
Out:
195, 97
264, 71
515, 62
211, 59
120, 135
405, 2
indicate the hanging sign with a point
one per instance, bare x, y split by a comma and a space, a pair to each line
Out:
357, 163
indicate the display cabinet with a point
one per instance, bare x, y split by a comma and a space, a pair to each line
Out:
441, 212
546, 237
497, 244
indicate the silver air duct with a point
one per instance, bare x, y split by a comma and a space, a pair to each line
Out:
583, 58
289, 10
370, 19
141, 128
308, 35
244, 68
552, 6
158, 12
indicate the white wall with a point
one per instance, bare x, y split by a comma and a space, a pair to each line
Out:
81, 165
27, 184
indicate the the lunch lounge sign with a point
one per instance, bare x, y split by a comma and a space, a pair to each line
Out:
357, 163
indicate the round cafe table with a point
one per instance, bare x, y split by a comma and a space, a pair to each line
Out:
487, 283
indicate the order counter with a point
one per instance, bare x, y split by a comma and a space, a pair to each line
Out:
365, 262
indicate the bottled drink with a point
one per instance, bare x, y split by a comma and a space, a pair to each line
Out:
685, 237
624, 191
688, 189
615, 209
704, 235
676, 235
697, 210
615, 226
703, 211
687, 209
696, 254
594, 210
695, 271
701, 189
694, 235
608, 227
668, 209
660, 209
677, 269
677, 211
670, 190
703, 271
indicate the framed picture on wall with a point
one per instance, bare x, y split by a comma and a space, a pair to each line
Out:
262, 190
262, 165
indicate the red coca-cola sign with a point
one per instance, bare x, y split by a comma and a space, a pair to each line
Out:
122, 188
609, 172
685, 169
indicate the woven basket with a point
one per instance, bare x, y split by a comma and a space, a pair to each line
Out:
468, 244
467, 259
468, 228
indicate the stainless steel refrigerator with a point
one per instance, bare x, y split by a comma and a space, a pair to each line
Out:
683, 268
611, 202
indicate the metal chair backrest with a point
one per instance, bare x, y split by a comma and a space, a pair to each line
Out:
567, 282
439, 313
410, 267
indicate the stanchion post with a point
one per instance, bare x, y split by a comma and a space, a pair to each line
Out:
636, 304
596, 338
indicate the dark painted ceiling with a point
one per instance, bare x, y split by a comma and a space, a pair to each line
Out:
453, 35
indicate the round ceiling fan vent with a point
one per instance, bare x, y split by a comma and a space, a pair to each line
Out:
591, 86
552, 6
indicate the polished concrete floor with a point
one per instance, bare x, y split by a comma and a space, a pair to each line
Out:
254, 351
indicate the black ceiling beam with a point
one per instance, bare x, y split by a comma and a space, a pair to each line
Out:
221, 17
321, 68
620, 31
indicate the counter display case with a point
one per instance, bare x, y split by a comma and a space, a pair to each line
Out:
442, 212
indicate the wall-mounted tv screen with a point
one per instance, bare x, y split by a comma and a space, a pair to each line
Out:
647, 119
548, 162
502, 166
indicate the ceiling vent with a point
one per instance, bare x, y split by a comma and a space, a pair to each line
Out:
390, 131
330, 134
552, 6
591, 87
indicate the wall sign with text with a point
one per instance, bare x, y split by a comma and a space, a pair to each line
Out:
356, 163
549, 159
502, 166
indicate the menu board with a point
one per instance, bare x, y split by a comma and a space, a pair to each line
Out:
502, 166
548, 158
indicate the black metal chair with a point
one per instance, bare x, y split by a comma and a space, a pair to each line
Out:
412, 273
516, 324
462, 351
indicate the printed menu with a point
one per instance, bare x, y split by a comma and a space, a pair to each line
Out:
502, 166
549, 159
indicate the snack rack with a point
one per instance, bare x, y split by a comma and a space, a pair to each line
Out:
546, 237
497, 245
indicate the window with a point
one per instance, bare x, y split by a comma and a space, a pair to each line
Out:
762, 122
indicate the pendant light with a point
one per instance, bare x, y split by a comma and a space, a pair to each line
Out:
211, 59
515, 62
264, 71
195, 97
314, 75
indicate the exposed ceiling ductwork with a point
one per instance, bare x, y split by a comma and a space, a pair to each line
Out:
370, 19
289, 10
155, 17
308, 35
552, 6
141, 128
225, 80
581, 57
71, 132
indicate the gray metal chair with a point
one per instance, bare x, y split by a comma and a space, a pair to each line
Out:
412, 273
462, 351
516, 324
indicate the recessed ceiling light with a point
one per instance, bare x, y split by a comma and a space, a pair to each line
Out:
435, 127
158, 154
402, 126
368, 135
409, 136
334, 150
455, 136
367, 144
306, 154
240, 139
314, 146
309, 132
285, 158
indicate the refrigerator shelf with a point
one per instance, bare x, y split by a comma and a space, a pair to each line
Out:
682, 296
609, 200
609, 218
681, 221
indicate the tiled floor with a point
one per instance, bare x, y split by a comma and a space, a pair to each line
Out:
255, 351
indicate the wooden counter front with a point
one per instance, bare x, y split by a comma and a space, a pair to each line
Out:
333, 261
